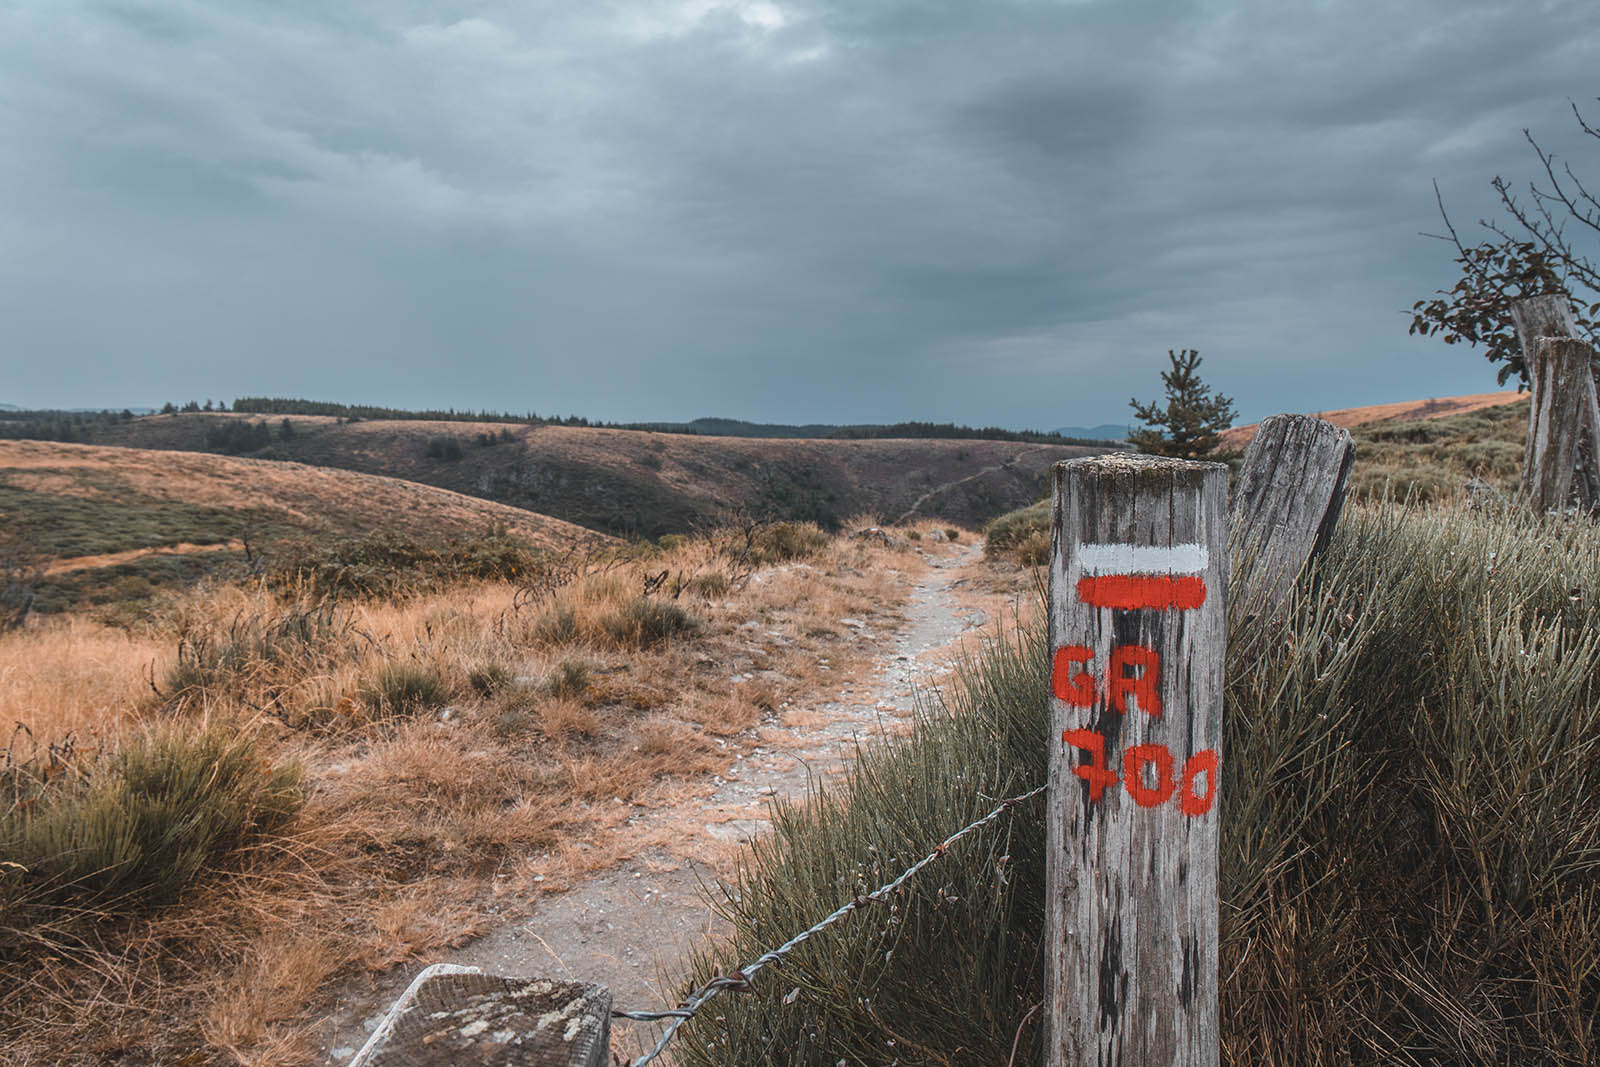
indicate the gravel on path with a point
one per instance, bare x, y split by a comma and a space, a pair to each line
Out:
632, 927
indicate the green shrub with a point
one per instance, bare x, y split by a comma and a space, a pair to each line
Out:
236, 436
644, 623
447, 449
671, 542
782, 542
952, 533
558, 625
114, 835
390, 565
488, 679
1410, 834
1010, 531
404, 689
569, 679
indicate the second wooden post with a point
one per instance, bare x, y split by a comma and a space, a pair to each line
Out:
1138, 620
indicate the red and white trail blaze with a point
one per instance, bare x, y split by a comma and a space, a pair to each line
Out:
1134, 577
1127, 577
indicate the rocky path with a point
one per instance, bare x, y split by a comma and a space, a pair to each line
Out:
631, 927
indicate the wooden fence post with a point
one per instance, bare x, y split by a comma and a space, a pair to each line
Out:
455, 1015
1561, 426
1138, 620
1551, 316
1285, 504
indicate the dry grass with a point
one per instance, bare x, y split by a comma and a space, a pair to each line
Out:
1408, 410
74, 677
455, 744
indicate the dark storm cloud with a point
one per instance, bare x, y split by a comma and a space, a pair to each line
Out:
998, 213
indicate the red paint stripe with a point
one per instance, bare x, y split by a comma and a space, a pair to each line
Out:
1131, 591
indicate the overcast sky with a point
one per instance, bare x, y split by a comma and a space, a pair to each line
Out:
982, 211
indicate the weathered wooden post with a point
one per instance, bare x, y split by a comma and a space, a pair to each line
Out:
1288, 498
1138, 619
1562, 422
1556, 432
454, 1015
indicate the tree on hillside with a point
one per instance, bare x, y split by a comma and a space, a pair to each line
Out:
1192, 420
1532, 254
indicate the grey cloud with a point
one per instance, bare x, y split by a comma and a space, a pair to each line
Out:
998, 213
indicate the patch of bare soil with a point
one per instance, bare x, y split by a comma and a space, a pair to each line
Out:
111, 559
630, 925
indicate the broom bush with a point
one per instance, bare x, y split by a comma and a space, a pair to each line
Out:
109, 837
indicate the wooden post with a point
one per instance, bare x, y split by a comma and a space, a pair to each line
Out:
1288, 497
1562, 420
1551, 316
453, 1015
1138, 621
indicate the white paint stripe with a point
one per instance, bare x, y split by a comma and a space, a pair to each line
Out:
1143, 559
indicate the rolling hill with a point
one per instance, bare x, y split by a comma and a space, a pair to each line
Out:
638, 483
1406, 410
118, 521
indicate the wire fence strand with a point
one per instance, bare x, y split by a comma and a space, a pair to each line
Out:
742, 980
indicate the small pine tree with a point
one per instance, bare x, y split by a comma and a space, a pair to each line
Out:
1190, 424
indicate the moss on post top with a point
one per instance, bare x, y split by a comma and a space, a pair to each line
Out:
1144, 470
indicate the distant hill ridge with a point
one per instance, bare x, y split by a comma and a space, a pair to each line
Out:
634, 483
1106, 431
710, 426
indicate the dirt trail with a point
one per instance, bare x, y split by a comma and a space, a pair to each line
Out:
631, 927
111, 559
936, 490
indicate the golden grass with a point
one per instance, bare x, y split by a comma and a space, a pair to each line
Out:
73, 677
530, 760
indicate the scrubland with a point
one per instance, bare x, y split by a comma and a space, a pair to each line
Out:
1410, 805
211, 815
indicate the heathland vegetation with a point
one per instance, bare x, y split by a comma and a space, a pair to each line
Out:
324, 752
114, 527
213, 810
632, 483
1473, 455
1411, 831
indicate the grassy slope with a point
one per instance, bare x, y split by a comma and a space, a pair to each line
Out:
567, 717
1407, 411
1410, 856
1433, 458
79, 502
629, 482
1428, 459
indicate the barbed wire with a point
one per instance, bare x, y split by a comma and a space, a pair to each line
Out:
742, 980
